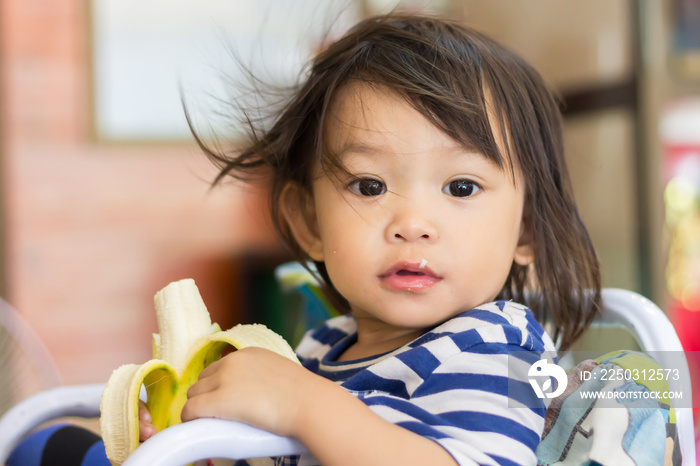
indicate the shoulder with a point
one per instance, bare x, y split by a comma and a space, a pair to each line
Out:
459, 385
320, 340
495, 327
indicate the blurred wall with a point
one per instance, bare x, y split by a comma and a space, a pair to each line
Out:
94, 230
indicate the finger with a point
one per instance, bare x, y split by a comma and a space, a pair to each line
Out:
210, 369
196, 407
144, 414
146, 430
203, 386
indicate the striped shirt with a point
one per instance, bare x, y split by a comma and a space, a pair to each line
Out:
455, 384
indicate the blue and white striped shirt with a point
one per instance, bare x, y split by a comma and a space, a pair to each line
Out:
452, 384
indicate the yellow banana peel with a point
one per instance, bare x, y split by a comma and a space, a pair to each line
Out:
187, 343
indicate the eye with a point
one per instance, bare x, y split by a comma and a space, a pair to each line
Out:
367, 187
461, 188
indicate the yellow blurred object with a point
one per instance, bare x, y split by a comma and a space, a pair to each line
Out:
682, 200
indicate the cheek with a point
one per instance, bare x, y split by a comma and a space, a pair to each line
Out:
347, 271
488, 245
342, 228
347, 248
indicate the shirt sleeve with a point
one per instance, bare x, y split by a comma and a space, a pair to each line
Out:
473, 404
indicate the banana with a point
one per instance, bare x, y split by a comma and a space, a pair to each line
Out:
187, 343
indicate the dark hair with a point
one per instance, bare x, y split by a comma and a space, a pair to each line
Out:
447, 72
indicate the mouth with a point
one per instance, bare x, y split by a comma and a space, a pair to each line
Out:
411, 276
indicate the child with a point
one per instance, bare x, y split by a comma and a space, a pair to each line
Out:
420, 167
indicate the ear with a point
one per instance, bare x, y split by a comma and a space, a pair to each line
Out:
298, 210
524, 251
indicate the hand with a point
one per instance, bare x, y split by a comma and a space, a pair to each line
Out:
255, 386
263, 389
146, 429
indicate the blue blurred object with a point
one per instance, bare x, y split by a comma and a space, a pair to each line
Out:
60, 444
293, 277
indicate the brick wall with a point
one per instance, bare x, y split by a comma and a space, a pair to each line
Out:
94, 230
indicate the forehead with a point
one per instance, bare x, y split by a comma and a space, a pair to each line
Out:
368, 115
361, 106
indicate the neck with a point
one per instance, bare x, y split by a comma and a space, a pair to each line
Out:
376, 337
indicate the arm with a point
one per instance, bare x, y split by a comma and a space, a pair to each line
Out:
265, 390
353, 434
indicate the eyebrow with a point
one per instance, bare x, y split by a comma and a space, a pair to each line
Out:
358, 147
370, 149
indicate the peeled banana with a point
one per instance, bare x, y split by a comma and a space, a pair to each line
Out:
186, 344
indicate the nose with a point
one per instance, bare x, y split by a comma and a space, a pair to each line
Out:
412, 223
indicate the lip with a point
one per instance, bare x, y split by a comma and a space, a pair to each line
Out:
409, 276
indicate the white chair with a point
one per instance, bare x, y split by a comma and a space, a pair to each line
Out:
213, 438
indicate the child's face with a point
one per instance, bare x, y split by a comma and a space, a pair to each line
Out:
429, 231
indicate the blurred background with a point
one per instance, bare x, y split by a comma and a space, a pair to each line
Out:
105, 198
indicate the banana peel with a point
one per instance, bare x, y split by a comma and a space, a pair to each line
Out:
187, 343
